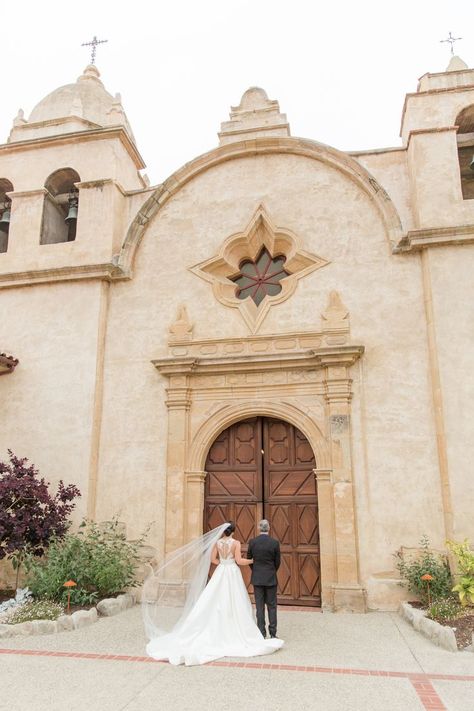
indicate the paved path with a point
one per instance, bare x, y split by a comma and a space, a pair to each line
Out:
331, 662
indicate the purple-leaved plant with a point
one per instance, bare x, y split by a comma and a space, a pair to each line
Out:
29, 514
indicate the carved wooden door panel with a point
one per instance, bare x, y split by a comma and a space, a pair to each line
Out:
263, 468
234, 482
290, 504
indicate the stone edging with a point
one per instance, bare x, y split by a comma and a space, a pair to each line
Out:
82, 618
439, 634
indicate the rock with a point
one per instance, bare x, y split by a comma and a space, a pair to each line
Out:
44, 627
447, 639
439, 634
83, 618
418, 616
110, 606
429, 628
6, 631
406, 612
25, 628
65, 622
126, 601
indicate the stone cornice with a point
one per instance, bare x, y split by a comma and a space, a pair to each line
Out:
107, 272
423, 131
254, 129
416, 240
262, 343
444, 90
77, 136
301, 360
323, 475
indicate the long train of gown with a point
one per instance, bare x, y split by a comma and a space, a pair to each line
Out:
221, 624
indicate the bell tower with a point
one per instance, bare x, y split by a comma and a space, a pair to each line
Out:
65, 174
438, 130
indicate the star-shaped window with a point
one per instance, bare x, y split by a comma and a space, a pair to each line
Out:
260, 277
245, 275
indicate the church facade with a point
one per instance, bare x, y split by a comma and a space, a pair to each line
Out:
279, 330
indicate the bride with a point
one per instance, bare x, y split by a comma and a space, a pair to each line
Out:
208, 621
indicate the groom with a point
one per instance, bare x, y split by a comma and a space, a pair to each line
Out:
265, 552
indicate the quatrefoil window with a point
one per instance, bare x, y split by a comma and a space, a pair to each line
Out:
261, 277
257, 268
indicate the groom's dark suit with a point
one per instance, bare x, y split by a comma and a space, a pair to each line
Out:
265, 552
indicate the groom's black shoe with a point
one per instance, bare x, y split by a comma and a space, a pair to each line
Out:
273, 636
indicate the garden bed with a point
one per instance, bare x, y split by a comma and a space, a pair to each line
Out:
463, 628
453, 635
79, 617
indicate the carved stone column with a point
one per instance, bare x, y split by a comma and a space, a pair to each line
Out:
327, 548
347, 591
195, 482
178, 403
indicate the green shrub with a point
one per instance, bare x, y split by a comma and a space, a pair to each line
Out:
35, 610
445, 609
465, 563
425, 563
99, 559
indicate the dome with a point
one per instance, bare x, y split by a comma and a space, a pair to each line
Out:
87, 99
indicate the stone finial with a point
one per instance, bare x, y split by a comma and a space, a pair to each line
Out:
336, 316
182, 328
255, 116
19, 119
116, 114
456, 64
90, 73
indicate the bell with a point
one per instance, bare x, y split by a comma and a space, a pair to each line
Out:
72, 212
471, 164
5, 219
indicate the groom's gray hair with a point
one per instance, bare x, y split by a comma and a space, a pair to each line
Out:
264, 526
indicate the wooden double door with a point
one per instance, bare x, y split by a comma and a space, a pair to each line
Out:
263, 468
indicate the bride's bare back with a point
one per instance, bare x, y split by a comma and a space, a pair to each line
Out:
227, 548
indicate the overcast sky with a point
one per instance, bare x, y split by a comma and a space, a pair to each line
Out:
340, 70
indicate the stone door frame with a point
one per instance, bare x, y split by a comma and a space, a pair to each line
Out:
214, 383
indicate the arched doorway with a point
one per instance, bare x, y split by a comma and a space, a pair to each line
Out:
264, 468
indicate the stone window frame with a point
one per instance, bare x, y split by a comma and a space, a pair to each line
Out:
259, 233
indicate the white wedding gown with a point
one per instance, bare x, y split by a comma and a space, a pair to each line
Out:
221, 623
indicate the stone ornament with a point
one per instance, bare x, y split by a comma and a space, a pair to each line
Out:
260, 233
255, 116
181, 329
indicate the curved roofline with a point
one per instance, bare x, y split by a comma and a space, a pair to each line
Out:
259, 146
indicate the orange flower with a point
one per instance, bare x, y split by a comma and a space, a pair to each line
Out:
69, 584
427, 576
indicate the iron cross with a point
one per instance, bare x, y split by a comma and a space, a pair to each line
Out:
451, 40
93, 44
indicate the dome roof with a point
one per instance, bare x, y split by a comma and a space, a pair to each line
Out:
87, 98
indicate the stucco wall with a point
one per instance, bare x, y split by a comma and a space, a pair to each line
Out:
396, 480
452, 285
47, 403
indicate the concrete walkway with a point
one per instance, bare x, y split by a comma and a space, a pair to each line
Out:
330, 662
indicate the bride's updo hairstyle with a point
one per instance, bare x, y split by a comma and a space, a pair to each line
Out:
230, 528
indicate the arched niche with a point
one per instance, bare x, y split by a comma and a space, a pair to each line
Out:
465, 141
5, 212
60, 207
